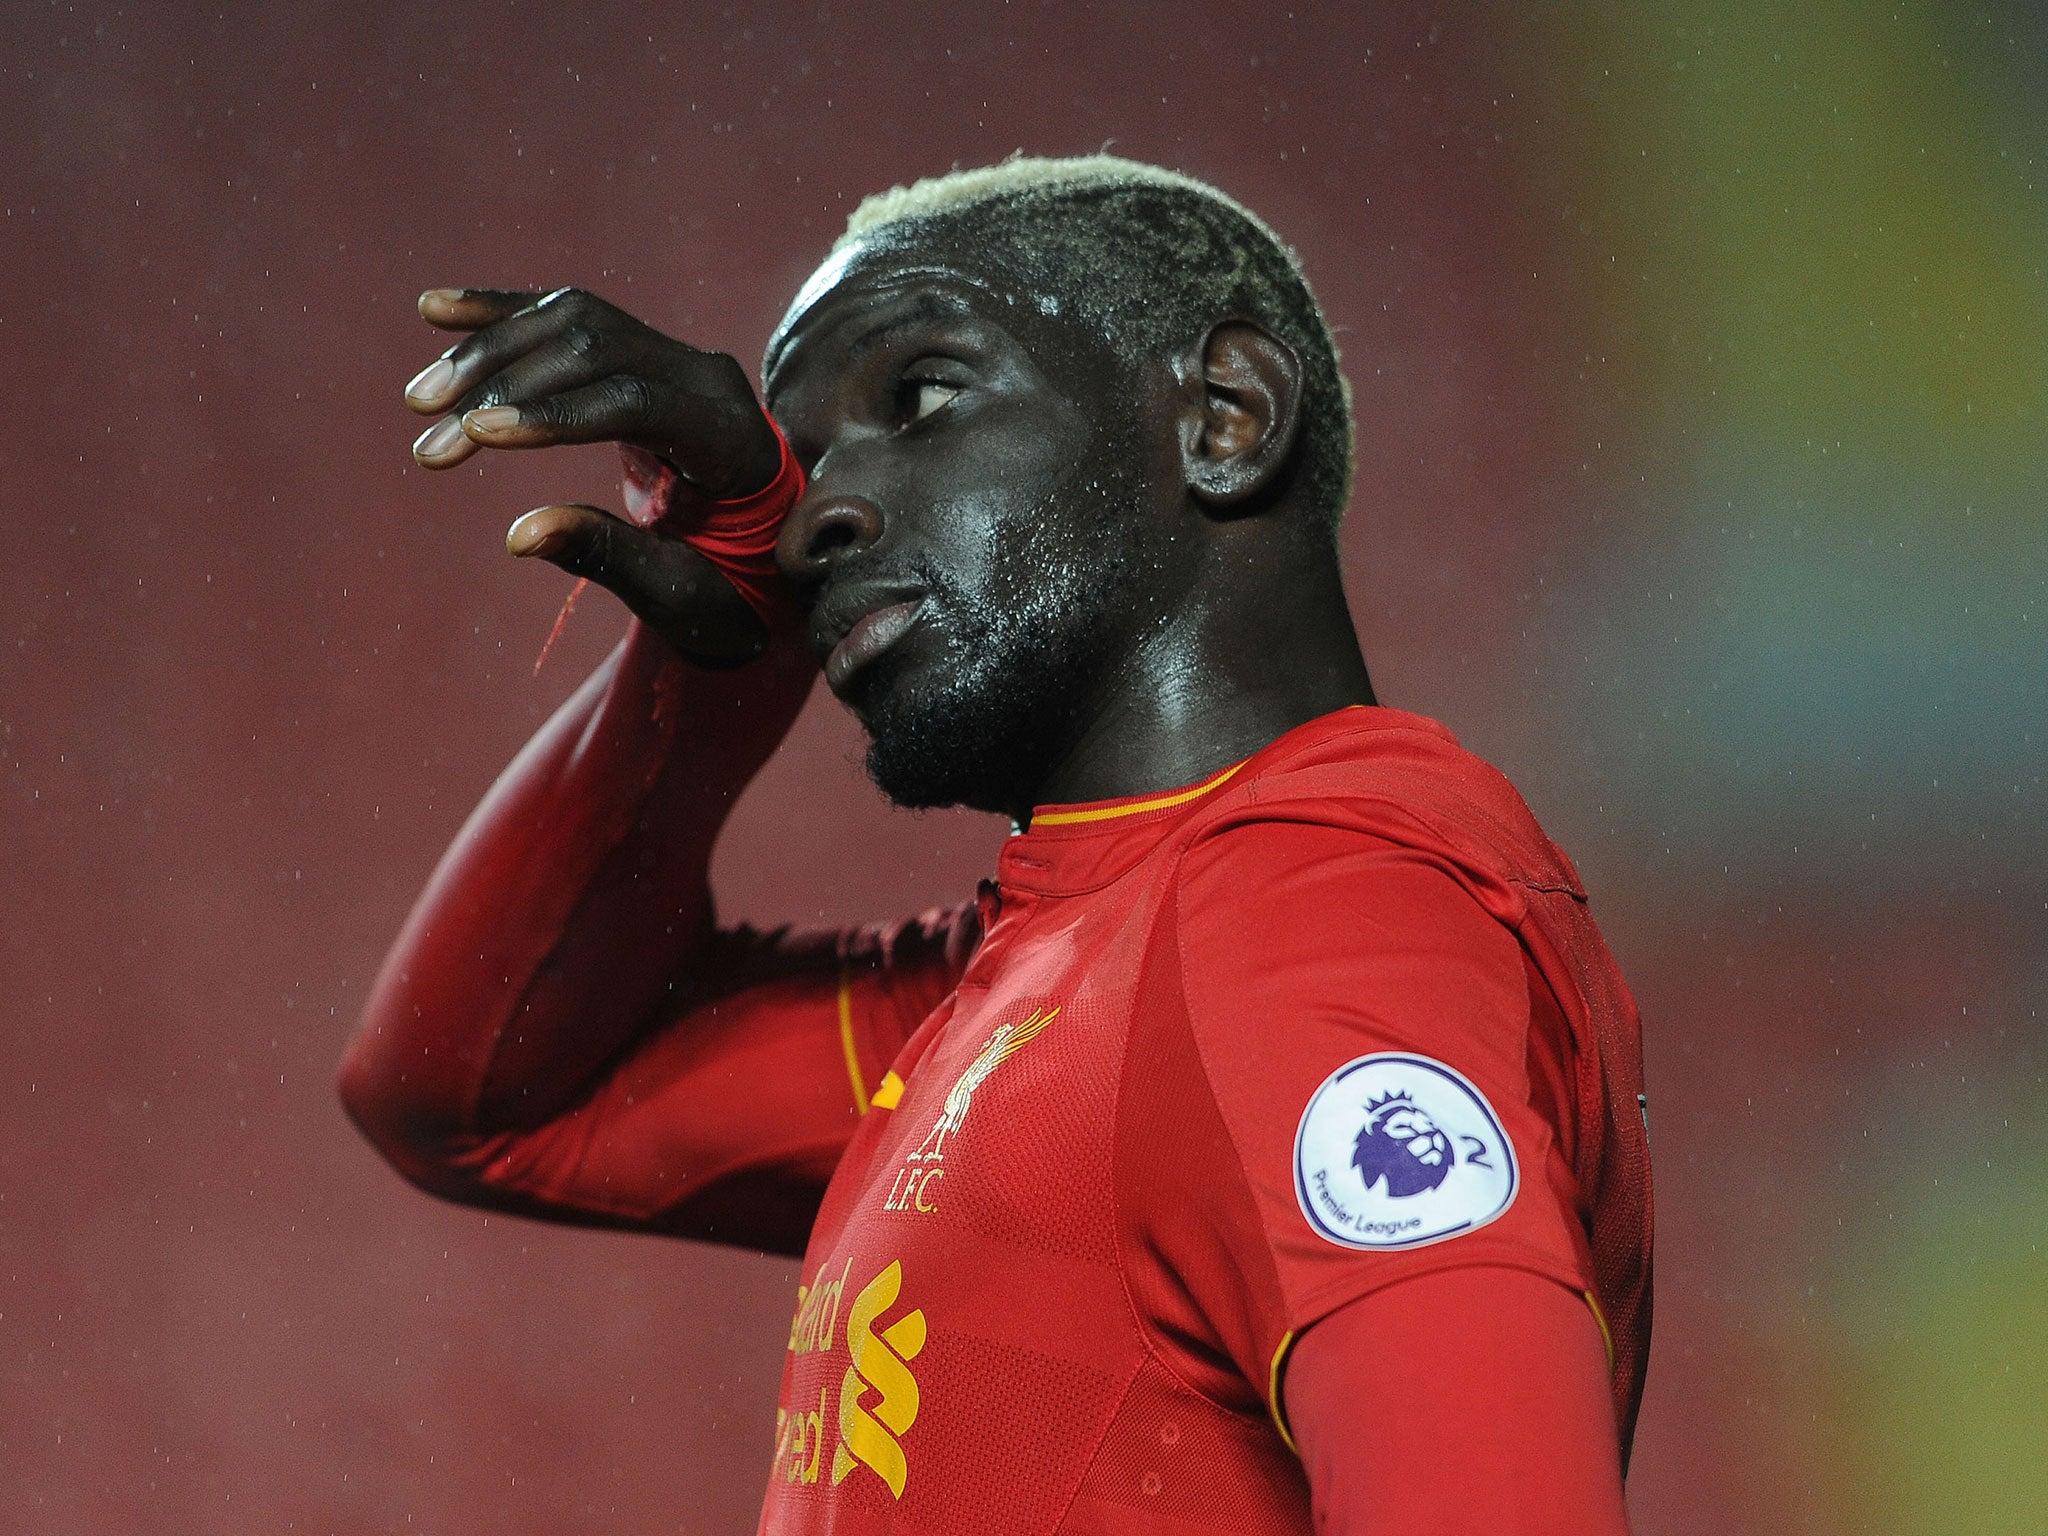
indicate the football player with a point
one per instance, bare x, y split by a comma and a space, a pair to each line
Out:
1260, 1150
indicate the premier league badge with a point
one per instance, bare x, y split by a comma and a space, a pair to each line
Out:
1395, 1151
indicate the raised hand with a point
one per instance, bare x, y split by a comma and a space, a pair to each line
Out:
537, 370
567, 367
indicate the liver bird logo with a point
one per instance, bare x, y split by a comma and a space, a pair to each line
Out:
1002, 1045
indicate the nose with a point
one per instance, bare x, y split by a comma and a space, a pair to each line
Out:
817, 534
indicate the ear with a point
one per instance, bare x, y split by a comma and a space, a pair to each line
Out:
1237, 435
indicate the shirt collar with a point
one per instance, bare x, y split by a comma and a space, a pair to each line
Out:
1071, 849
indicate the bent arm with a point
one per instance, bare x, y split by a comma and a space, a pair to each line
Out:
570, 900
560, 1029
1472, 1399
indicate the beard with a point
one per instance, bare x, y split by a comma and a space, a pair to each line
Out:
1025, 656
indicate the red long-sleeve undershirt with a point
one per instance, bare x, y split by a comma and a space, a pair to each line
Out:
577, 888
566, 905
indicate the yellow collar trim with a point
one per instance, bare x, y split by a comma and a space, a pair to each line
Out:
1157, 803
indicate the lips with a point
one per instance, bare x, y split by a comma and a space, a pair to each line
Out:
869, 636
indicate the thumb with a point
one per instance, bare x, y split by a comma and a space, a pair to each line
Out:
585, 541
668, 586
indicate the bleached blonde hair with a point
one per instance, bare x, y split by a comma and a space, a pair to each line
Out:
931, 196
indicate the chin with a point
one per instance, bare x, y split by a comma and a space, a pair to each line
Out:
980, 703
969, 736
910, 785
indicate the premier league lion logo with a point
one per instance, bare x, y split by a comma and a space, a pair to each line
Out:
1402, 1145
1426, 1151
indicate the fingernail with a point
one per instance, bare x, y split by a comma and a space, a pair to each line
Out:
494, 418
438, 439
528, 538
441, 296
432, 383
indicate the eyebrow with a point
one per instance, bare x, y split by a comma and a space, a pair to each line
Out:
923, 307
926, 307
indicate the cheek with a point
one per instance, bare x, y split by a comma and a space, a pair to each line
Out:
1003, 506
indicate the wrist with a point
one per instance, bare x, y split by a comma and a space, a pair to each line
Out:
736, 535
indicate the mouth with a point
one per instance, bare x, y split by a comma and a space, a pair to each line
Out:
867, 638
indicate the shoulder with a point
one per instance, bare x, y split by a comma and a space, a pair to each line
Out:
1322, 916
1344, 997
1389, 791
1371, 880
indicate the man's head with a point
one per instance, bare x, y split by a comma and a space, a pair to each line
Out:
1031, 395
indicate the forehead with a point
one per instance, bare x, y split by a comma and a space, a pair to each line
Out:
870, 288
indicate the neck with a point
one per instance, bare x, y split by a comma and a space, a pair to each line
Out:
1242, 660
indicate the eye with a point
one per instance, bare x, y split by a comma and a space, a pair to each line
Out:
922, 396
931, 395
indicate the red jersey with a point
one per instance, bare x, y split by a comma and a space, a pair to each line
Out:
1224, 1060
1072, 1171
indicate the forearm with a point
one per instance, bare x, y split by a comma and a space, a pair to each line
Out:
565, 906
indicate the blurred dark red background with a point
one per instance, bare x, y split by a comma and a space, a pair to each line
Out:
256, 668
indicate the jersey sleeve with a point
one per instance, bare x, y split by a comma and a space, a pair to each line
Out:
1362, 1078
1440, 1403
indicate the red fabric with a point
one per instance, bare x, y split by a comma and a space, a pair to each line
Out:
559, 1028
737, 536
1053, 1279
1061, 1275
1473, 824
1356, 945
1488, 1410
563, 953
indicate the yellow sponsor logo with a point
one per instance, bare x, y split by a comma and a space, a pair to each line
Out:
800, 1441
817, 1314
868, 1432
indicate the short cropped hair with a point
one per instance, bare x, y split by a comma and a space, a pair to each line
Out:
1152, 258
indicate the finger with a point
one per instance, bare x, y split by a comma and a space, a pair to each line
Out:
604, 411
581, 321
555, 368
443, 445
587, 541
626, 408
668, 586
739, 455
471, 309
458, 309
